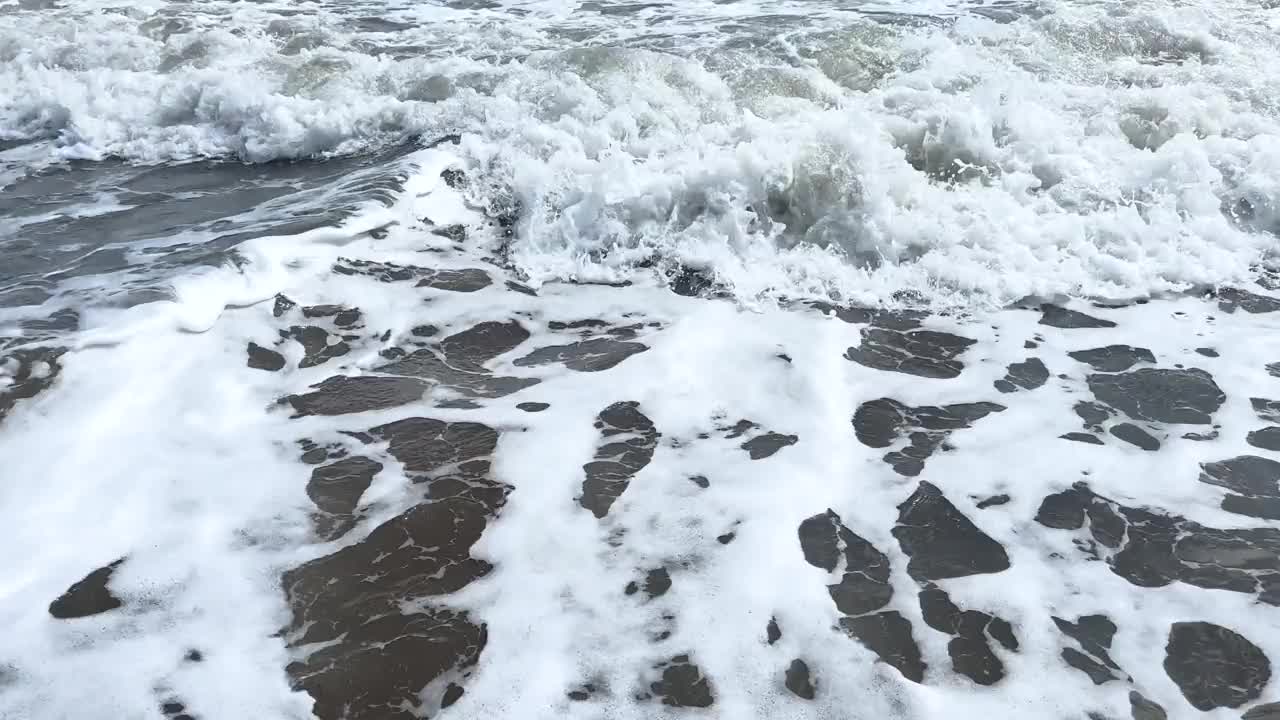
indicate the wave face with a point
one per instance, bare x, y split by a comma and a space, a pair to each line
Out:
974, 153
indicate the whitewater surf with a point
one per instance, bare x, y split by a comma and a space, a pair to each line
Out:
496, 359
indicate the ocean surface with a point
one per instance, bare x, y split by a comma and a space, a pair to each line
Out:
367, 360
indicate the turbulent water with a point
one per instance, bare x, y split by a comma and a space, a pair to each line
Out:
990, 152
498, 359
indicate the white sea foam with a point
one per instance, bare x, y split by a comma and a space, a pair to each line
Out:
172, 463
1088, 149
155, 446
1081, 149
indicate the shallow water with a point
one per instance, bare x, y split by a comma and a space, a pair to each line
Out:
632, 360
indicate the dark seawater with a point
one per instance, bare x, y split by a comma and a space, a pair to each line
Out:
114, 234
